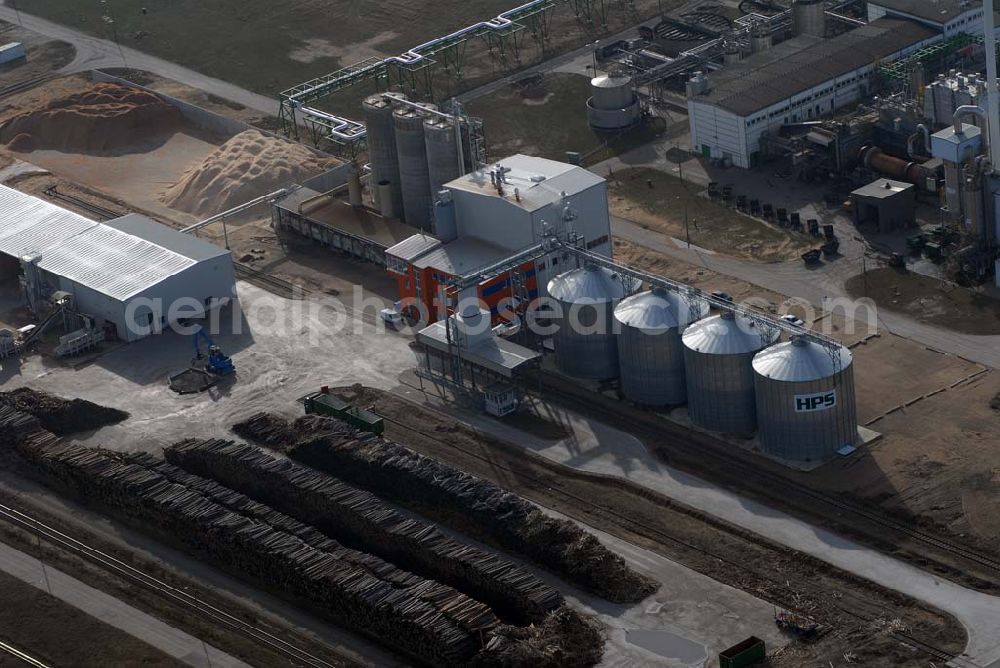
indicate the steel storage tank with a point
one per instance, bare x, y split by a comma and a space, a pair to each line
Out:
809, 18
718, 356
613, 104
381, 137
805, 400
414, 177
442, 151
650, 354
585, 339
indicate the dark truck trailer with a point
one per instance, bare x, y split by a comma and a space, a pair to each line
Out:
746, 653
324, 403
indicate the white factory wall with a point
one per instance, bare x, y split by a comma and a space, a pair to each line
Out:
205, 282
492, 219
508, 225
718, 133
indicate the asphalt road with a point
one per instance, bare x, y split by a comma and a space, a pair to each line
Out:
174, 642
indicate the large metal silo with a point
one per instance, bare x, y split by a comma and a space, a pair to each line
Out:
806, 405
443, 163
718, 356
613, 104
650, 354
414, 176
381, 137
809, 18
585, 340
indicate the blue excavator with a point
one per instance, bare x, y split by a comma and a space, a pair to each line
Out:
215, 361
207, 368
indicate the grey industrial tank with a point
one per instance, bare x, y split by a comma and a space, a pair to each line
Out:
381, 137
443, 164
650, 354
718, 356
414, 177
809, 18
585, 344
613, 104
805, 399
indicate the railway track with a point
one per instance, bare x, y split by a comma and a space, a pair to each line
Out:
165, 590
650, 432
21, 656
52, 192
646, 529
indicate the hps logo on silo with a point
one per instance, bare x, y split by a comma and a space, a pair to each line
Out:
810, 403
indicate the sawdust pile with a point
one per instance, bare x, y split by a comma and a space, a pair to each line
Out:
100, 118
249, 165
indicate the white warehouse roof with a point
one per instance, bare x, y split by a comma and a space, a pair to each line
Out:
538, 181
119, 259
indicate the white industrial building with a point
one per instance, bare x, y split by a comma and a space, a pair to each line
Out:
488, 215
131, 275
532, 195
803, 78
949, 17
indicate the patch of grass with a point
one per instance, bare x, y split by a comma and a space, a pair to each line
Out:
660, 201
250, 42
928, 300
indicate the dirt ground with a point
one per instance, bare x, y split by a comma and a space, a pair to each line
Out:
29, 615
44, 56
661, 202
857, 623
284, 42
929, 300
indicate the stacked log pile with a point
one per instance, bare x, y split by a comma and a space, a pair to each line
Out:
270, 430
359, 518
61, 416
468, 504
425, 619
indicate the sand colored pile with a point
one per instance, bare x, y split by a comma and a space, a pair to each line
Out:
249, 165
98, 119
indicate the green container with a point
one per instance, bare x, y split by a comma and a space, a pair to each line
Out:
746, 653
322, 403
325, 404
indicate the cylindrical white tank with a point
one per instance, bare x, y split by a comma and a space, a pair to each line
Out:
808, 18
650, 354
354, 187
414, 176
381, 138
585, 343
805, 400
718, 356
613, 104
442, 152
384, 189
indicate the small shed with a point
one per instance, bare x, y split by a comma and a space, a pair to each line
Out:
887, 204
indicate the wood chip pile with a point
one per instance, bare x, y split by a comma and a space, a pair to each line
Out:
361, 519
470, 505
425, 619
61, 416
565, 639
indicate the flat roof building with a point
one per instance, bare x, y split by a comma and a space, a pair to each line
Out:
803, 78
946, 16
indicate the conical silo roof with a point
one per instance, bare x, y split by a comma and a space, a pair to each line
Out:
658, 310
727, 334
587, 285
801, 360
